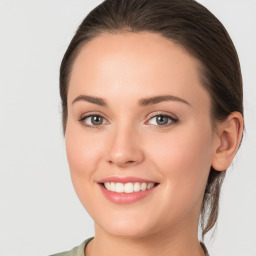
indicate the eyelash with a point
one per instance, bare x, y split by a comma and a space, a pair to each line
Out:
173, 120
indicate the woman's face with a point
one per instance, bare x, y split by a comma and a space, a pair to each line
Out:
167, 141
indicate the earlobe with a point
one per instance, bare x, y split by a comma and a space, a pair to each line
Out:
230, 135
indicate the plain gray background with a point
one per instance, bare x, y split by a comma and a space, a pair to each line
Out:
39, 210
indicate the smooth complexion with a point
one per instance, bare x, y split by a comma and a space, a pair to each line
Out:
128, 140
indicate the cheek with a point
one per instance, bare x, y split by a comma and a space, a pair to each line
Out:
184, 160
186, 150
187, 155
82, 154
81, 150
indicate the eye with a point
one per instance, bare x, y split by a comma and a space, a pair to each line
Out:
163, 120
93, 120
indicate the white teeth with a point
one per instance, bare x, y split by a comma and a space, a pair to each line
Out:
143, 186
150, 185
128, 187
112, 186
119, 187
136, 187
108, 186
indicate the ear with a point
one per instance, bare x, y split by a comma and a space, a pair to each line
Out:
229, 136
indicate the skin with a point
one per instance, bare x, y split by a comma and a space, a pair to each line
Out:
122, 69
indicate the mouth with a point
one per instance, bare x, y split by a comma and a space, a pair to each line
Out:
129, 187
124, 190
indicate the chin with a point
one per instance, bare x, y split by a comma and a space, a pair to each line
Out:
127, 232
127, 227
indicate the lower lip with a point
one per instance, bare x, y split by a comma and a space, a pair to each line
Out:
125, 198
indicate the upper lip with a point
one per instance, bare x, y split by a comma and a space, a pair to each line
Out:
126, 179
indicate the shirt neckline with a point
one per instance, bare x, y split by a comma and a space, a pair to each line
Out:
85, 243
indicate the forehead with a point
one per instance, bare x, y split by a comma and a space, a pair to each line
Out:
142, 64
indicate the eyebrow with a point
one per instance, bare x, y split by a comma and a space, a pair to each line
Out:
141, 102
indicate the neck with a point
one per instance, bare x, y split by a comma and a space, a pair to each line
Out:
174, 242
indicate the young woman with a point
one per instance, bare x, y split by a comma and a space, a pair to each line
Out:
152, 117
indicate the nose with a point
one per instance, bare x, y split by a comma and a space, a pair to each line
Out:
125, 148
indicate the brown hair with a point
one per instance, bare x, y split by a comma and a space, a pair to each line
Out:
197, 30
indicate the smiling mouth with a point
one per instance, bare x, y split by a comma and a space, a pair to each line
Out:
128, 187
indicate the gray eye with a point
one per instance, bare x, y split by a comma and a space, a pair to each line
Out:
92, 120
162, 120
96, 120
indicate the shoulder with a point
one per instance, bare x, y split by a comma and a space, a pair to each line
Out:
76, 251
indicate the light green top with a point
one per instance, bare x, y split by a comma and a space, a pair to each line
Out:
79, 250
76, 251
